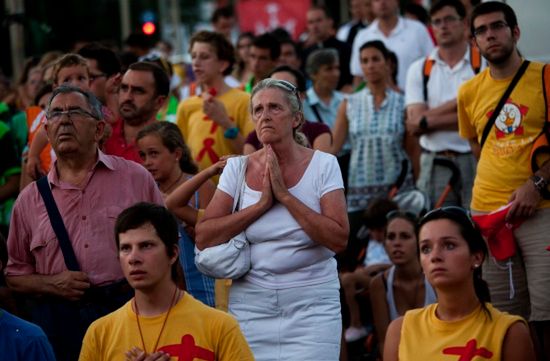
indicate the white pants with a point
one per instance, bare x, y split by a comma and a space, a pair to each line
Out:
302, 323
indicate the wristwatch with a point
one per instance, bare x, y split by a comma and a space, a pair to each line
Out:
231, 133
423, 124
540, 184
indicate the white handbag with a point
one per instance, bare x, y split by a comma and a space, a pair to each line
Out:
229, 260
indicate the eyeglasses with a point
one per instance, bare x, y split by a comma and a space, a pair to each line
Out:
94, 77
290, 88
73, 114
449, 211
436, 23
496, 26
397, 213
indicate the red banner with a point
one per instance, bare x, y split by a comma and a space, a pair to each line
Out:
259, 16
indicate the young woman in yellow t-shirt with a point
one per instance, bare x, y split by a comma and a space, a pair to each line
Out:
463, 324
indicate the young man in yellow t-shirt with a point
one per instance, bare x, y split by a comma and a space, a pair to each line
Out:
504, 174
216, 122
161, 321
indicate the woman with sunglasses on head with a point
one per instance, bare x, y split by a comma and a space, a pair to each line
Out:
403, 286
293, 215
463, 324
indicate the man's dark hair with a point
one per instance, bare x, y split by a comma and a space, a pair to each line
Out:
162, 82
494, 7
139, 40
418, 11
268, 41
324, 9
222, 12
223, 48
295, 45
281, 34
300, 79
456, 4
107, 60
159, 217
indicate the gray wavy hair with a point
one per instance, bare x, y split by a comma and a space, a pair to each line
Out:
93, 102
293, 99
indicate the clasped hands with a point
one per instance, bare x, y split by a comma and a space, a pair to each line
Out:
273, 184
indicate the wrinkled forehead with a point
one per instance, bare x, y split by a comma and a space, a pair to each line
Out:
270, 95
69, 101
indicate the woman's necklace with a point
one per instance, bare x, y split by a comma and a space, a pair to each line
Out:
163, 323
169, 188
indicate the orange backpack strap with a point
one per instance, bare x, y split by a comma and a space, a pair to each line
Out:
475, 59
426, 71
540, 153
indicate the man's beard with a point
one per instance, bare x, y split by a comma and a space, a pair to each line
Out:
135, 116
502, 57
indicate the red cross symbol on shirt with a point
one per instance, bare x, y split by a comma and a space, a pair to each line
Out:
468, 352
188, 351
208, 150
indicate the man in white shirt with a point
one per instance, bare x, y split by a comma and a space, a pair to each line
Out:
408, 39
361, 17
430, 96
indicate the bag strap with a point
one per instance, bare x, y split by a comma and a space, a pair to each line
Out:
237, 199
57, 224
475, 59
475, 63
426, 71
315, 110
501, 102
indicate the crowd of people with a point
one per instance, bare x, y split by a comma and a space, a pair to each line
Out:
121, 173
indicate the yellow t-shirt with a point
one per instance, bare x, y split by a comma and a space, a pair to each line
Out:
192, 329
203, 136
505, 162
425, 337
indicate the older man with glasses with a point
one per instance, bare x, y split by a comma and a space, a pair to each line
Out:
502, 111
61, 243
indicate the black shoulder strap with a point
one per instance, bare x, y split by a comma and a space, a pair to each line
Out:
502, 100
315, 110
57, 224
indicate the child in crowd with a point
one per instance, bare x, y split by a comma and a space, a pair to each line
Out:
376, 261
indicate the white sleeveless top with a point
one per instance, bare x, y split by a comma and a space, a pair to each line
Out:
429, 294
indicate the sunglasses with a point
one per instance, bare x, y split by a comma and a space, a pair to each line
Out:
396, 213
283, 84
449, 211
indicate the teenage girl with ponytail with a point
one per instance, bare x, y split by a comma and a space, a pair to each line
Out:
463, 325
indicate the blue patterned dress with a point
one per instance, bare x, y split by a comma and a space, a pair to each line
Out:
377, 153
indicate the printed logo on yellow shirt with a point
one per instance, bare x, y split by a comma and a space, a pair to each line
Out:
510, 119
188, 351
468, 352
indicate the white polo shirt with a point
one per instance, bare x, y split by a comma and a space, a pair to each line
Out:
442, 86
409, 40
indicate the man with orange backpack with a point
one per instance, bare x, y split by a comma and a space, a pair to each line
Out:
430, 96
